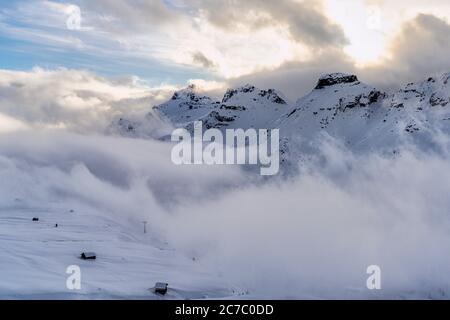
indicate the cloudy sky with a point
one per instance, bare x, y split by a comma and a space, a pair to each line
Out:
284, 44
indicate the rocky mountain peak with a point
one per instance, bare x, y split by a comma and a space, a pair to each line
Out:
189, 93
255, 94
331, 79
248, 88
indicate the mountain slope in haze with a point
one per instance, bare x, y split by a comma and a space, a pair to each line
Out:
184, 107
153, 126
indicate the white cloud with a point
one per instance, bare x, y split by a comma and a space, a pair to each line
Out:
78, 100
311, 236
314, 236
8, 124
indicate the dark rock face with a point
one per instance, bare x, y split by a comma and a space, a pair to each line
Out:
190, 95
271, 95
231, 92
247, 88
436, 100
335, 78
398, 106
375, 95
213, 120
126, 125
228, 95
235, 108
220, 117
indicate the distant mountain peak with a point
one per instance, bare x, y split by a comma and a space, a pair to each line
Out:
255, 93
189, 93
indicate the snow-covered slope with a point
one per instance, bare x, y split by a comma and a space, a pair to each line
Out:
340, 105
422, 111
36, 255
364, 118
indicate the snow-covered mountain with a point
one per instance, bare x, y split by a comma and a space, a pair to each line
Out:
242, 107
365, 118
354, 111
247, 107
421, 110
359, 115
339, 105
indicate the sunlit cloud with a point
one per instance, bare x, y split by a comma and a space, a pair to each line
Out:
9, 124
72, 99
236, 54
365, 25
371, 25
171, 42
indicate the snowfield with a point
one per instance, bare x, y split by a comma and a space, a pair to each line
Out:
35, 256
